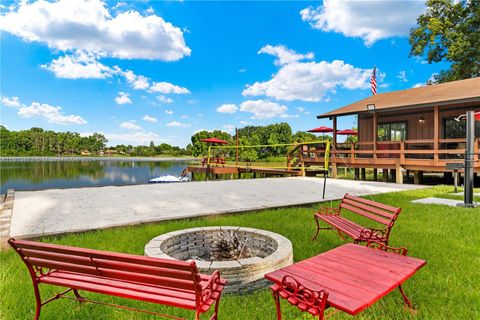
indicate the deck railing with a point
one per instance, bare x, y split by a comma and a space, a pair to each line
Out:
407, 152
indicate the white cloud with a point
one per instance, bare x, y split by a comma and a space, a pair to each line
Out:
80, 65
184, 116
13, 102
50, 113
285, 55
263, 109
169, 111
402, 76
178, 124
242, 70
166, 88
230, 128
88, 25
245, 123
164, 99
149, 119
137, 81
369, 20
227, 108
310, 81
418, 85
123, 98
130, 126
134, 138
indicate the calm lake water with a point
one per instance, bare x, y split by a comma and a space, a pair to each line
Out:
39, 175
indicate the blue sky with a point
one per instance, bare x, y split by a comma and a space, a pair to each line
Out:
139, 71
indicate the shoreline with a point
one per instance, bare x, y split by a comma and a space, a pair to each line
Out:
80, 158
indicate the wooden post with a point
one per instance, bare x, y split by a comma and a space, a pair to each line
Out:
417, 177
357, 173
375, 175
436, 129
402, 152
375, 120
334, 143
364, 174
334, 170
385, 175
398, 174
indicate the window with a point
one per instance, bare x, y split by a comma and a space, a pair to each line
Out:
453, 129
394, 131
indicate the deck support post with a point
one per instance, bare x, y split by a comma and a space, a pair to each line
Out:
357, 173
375, 175
334, 171
385, 175
398, 174
363, 173
417, 177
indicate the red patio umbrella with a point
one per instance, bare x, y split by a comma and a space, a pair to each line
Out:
214, 140
477, 116
347, 132
322, 129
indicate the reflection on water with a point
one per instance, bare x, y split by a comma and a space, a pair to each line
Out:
73, 174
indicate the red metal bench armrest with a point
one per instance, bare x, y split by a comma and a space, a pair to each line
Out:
328, 211
209, 287
312, 301
372, 234
381, 246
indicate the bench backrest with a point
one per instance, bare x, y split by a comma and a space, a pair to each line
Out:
148, 270
376, 211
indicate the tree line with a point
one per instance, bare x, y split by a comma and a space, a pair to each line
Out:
40, 142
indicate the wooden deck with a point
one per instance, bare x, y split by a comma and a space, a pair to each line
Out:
238, 170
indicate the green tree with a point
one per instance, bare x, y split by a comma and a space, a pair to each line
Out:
449, 31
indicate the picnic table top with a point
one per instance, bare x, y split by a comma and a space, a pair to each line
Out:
355, 276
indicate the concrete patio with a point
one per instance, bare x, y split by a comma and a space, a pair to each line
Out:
59, 211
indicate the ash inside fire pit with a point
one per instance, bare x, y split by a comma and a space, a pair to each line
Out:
228, 246
242, 255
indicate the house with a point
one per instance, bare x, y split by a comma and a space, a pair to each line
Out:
411, 130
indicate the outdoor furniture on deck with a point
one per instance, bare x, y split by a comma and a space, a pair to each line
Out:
349, 278
378, 212
162, 281
214, 161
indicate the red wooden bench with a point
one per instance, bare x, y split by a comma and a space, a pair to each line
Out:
349, 278
161, 281
382, 214
213, 161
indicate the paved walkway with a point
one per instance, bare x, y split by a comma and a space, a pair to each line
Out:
59, 211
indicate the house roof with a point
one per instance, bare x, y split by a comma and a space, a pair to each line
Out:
460, 91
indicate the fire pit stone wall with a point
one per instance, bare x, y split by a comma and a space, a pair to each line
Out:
270, 251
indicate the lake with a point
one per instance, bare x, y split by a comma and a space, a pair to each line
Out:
75, 173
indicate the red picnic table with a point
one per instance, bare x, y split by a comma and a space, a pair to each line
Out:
351, 278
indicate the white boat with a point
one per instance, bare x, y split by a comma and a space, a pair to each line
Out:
168, 179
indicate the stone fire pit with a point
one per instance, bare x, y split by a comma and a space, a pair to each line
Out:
260, 252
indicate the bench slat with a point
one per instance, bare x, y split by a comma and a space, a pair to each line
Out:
123, 293
369, 208
373, 203
159, 290
364, 213
116, 274
130, 258
109, 264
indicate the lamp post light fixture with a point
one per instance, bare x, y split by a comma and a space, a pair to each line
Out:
371, 107
421, 120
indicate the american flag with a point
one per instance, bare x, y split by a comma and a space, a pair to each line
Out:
373, 81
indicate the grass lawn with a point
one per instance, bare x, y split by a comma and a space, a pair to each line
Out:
448, 287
